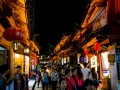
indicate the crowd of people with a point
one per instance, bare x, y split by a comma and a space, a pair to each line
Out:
52, 76
68, 77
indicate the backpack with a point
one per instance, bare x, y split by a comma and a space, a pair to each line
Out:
45, 80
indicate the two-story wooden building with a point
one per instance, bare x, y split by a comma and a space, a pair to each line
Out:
62, 49
13, 14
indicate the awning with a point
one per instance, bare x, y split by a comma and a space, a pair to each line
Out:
26, 42
20, 50
33, 47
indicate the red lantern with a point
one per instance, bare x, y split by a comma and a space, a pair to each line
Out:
96, 46
12, 34
86, 51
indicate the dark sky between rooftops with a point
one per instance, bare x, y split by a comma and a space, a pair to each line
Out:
52, 18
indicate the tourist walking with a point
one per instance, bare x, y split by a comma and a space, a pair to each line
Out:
45, 80
85, 71
18, 76
54, 78
79, 78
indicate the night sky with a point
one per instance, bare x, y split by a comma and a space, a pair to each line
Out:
52, 18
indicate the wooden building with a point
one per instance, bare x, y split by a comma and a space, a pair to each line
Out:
14, 13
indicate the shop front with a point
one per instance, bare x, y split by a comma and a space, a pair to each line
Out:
3, 55
93, 62
33, 61
18, 61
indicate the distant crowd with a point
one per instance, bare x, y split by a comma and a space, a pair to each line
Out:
66, 77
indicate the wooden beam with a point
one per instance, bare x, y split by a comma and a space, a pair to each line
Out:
105, 41
90, 43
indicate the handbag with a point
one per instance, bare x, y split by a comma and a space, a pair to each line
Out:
73, 87
45, 80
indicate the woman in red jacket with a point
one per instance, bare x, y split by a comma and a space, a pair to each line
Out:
79, 78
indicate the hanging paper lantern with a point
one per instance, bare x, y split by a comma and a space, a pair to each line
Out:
86, 51
96, 46
12, 34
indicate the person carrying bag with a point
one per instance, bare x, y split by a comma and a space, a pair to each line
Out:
73, 87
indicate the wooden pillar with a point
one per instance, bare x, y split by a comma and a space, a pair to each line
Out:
11, 61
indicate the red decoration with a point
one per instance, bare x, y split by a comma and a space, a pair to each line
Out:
90, 55
33, 62
12, 34
86, 51
54, 50
32, 54
55, 58
96, 46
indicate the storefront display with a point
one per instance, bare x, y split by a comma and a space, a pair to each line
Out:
3, 54
19, 61
65, 61
27, 64
68, 59
33, 60
62, 60
105, 63
83, 59
33, 63
93, 62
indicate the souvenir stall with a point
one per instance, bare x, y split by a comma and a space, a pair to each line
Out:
68, 59
18, 61
64, 60
34, 62
33, 56
93, 62
27, 60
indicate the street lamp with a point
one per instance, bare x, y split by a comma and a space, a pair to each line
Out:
15, 45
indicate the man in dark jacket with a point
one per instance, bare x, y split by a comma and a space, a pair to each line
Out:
4, 70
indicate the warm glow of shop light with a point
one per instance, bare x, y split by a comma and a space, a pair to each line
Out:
16, 55
26, 51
